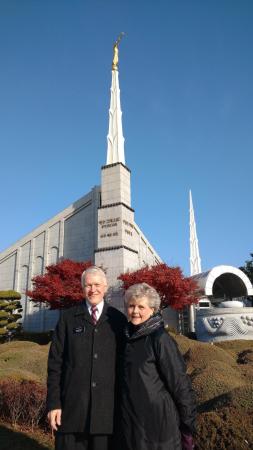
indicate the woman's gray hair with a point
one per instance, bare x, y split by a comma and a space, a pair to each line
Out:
93, 270
143, 290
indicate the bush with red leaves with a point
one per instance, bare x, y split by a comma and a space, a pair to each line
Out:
174, 289
60, 287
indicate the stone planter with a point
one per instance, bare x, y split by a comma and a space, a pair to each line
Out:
221, 324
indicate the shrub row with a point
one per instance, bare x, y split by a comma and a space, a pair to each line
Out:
22, 402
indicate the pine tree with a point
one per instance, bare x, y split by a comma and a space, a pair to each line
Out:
10, 313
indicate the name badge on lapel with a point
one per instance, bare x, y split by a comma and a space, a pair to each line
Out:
79, 330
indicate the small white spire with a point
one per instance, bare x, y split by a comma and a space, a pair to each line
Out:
195, 261
115, 139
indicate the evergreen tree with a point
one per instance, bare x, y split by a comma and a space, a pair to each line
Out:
248, 268
10, 313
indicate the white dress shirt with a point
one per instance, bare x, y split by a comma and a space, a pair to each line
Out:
99, 307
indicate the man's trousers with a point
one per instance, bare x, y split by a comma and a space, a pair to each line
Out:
81, 441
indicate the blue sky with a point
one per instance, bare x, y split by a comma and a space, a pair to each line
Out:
186, 72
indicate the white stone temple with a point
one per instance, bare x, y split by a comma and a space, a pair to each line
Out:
99, 227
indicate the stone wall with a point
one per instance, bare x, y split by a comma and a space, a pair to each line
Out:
70, 234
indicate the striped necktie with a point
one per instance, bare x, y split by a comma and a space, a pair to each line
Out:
94, 311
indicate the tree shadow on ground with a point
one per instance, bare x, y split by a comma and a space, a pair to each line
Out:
20, 441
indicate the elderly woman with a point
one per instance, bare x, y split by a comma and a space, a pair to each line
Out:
157, 405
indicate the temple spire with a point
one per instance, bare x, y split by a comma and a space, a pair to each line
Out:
195, 261
115, 139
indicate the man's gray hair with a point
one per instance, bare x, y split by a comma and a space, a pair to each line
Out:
143, 290
93, 270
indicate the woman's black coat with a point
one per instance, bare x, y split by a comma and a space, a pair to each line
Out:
81, 369
157, 398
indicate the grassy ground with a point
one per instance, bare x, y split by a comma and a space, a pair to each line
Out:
23, 360
222, 376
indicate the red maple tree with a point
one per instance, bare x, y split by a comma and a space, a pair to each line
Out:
60, 287
174, 289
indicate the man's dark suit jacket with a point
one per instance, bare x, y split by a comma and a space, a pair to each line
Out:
82, 369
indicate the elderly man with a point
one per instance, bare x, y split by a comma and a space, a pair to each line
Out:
82, 367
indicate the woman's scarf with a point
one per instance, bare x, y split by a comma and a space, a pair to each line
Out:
143, 329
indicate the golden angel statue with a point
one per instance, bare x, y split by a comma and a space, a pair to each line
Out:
115, 60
